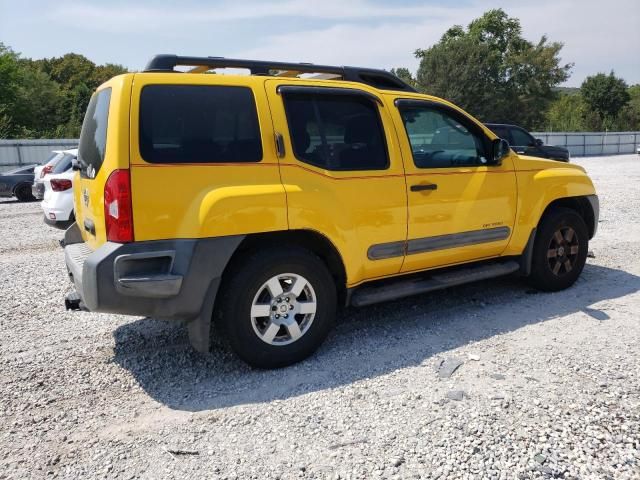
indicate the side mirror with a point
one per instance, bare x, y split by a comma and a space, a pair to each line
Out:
539, 142
499, 149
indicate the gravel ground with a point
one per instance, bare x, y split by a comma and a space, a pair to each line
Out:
548, 385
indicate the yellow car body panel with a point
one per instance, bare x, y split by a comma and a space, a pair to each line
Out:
541, 182
354, 210
206, 200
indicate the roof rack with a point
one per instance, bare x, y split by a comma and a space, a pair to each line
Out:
376, 78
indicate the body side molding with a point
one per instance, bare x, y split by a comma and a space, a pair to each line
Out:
438, 242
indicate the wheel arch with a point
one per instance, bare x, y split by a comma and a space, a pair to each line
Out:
585, 206
309, 239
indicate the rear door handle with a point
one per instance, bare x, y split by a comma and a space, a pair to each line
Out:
424, 186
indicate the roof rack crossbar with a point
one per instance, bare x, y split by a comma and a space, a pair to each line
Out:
377, 78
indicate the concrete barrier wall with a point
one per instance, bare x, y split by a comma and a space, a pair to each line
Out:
27, 152
582, 144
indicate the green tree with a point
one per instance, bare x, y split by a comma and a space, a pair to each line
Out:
9, 82
38, 103
493, 72
566, 114
47, 97
606, 95
102, 73
629, 116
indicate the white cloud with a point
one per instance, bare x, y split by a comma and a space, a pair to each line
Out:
149, 17
597, 36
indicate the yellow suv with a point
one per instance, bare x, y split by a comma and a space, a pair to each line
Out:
261, 202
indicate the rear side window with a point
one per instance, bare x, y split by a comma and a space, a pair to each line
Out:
336, 132
199, 124
93, 138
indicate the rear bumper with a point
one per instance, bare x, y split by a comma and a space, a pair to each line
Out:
37, 190
163, 279
58, 208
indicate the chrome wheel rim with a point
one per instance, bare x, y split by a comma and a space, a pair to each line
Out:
562, 253
283, 309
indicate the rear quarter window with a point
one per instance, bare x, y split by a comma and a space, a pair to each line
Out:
93, 137
199, 124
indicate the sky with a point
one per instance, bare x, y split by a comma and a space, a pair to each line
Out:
598, 36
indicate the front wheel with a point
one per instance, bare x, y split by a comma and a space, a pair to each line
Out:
277, 306
560, 250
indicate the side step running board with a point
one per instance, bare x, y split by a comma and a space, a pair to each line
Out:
394, 289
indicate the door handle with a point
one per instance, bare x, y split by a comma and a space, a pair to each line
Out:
424, 186
279, 145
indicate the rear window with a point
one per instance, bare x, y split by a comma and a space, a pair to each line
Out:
51, 157
93, 138
63, 164
199, 124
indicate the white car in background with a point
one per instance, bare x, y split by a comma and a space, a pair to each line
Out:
59, 161
58, 194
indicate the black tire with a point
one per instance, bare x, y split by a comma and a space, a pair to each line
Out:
23, 193
246, 283
558, 260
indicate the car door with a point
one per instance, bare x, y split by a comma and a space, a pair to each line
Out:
342, 171
461, 208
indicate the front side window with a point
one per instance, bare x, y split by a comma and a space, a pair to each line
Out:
336, 132
199, 124
93, 137
438, 140
521, 138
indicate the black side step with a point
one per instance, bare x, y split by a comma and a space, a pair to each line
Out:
394, 289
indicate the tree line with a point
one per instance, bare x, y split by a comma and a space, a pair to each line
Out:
47, 98
487, 68
494, 73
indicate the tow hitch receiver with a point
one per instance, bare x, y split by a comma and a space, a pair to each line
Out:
73, 302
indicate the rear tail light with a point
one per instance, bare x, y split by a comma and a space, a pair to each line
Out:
60, 184
47, 169
118, 215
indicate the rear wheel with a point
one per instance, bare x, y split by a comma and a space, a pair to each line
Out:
560, 250
277, 306
23, 193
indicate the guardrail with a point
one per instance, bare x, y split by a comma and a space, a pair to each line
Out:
583, 144
14, 153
